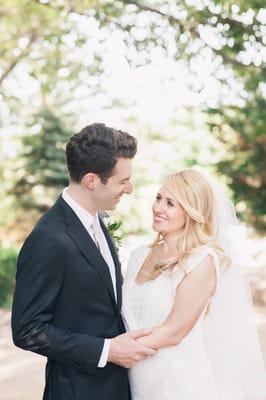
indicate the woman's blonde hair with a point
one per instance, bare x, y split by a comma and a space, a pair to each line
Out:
194, 194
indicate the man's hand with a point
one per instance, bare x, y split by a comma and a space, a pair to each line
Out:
126, 351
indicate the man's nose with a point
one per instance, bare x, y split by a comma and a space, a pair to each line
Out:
128, 188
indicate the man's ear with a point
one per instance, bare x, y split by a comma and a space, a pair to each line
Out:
90, 180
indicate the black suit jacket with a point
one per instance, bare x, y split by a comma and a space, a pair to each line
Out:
64, 306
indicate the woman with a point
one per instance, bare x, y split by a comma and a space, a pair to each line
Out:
179, 287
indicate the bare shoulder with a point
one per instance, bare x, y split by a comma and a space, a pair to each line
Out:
205, 267
204, 276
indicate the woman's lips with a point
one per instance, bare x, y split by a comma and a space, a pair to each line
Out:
158, 219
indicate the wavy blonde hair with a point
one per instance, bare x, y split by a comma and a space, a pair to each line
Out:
195, 196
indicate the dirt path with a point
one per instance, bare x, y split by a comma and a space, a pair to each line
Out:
21, 372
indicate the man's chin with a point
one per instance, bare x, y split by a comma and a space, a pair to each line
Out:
110, 207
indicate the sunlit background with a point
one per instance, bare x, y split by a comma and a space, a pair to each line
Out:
185, 77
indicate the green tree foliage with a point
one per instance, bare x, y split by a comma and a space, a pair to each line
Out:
41, 169
42, 36
232, 35
242, 130
8, 260
40, 41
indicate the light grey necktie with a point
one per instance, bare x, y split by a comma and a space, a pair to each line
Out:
100, 239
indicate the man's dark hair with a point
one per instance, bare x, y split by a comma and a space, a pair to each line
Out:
96, 149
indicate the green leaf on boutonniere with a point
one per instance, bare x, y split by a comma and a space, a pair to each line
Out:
113, 228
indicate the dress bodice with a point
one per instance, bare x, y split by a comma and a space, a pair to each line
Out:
148, 305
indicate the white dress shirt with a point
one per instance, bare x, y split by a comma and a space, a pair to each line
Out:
87, 219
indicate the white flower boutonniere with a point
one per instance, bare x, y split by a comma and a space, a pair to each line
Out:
113, 227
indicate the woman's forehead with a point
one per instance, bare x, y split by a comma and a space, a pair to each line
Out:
165, 192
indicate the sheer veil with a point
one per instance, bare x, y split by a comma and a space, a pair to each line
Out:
230, 334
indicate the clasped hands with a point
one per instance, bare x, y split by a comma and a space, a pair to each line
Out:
126, 351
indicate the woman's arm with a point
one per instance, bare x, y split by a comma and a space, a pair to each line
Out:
192, 295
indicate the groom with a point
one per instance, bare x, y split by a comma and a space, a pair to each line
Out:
67, 299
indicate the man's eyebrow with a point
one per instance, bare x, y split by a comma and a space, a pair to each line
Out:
125, 179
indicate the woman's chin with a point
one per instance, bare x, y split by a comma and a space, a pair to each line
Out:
156, 228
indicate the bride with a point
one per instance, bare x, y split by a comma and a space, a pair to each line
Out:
185, 286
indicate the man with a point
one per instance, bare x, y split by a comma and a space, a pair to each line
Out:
68, 294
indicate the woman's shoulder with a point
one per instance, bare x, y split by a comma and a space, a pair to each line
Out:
199, 254
202, 250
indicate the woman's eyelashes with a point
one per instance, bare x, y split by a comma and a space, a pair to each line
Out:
168, 202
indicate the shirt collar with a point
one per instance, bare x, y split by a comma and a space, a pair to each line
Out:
85, 217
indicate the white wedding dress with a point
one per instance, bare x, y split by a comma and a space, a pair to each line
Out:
181, 372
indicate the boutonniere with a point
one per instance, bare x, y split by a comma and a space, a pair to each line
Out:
113, 227
115, 233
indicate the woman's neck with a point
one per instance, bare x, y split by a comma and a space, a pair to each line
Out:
170, 244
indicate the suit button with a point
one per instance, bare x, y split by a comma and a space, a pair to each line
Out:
77, 366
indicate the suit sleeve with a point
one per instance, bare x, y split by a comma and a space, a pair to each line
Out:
40, 275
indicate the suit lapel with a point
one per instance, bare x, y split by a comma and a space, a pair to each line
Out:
84, 242
118, 273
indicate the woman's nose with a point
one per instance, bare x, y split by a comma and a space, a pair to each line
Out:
158, 207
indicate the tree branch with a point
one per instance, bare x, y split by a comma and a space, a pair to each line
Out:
192, 29
145, 8
33, 37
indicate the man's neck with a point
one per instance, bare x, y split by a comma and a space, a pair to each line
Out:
82, 197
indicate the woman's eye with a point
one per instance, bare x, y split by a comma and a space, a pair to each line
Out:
158, 197
169, 203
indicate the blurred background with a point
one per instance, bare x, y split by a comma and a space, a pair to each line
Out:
187, 78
